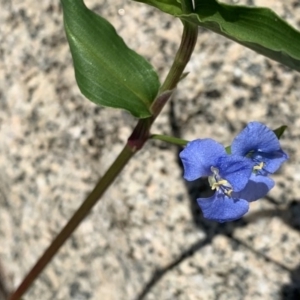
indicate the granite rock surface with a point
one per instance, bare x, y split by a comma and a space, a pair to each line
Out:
146, 239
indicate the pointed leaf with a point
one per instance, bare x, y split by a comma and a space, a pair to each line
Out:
172, 7
259, 29
280, 131
107, 71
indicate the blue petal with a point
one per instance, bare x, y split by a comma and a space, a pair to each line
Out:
255, 136
257, 187
236, 170
272, 161
199, 156
221, 208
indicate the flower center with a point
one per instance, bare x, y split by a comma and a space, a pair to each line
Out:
257, 157
218, 183
259, 168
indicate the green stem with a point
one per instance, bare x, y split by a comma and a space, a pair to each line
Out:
187, 6
135, 142
169, 139
183, 55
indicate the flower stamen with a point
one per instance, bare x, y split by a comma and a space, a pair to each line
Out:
216, 182
259, 166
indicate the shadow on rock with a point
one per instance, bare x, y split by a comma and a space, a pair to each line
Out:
291, 291
201, 189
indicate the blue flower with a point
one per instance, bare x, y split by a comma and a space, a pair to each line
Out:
239, 178
227, 174
260, 144
257, 187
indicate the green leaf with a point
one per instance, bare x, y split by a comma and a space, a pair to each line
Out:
172, 7
259, 29
280, 131
107, 71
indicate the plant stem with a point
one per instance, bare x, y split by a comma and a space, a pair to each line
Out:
169, 139
183, 55
135, 142
187, 6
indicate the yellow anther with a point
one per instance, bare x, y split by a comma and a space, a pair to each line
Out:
229, 192
216, 185
258, 167
223, 182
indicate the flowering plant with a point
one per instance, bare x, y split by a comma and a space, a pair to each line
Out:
110, 74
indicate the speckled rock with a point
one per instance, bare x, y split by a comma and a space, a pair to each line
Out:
146, 239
